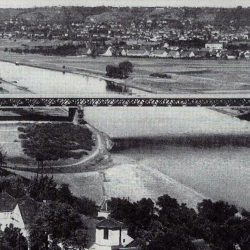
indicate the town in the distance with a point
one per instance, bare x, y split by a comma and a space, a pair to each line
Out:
200, 33
99, 174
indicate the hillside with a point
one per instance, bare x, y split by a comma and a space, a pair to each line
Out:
65, 15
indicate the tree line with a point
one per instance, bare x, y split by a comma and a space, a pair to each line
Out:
168, 225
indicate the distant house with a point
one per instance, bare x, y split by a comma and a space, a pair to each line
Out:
85, 51
247, 54
201, 54
137, 53
108, 52
159, 54
229, 55
18, 212
187, 55
123, 52
175, 54
214, 46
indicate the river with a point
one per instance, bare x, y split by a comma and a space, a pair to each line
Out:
25, 79
189, 153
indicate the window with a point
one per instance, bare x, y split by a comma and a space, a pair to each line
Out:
106, 234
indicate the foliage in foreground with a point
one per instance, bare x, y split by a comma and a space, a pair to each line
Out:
168, 225
12, 239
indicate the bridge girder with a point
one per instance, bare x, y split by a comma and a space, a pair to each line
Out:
129, 101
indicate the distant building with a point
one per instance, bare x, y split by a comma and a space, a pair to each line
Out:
187, 55
159, 54
175, 54
108, 52
137, 53
214, 46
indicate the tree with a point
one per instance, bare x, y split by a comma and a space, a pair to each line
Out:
57, 220
126, 67
43, 188
3, 155
122, 71
12, 239
218, 212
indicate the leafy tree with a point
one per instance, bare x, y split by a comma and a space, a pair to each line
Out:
43, 188
126, 67
171, 240
12, 239
85, 206
57, 220
217, 212
14, 185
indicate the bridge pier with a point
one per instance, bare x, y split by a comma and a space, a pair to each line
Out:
76, 115
72, 113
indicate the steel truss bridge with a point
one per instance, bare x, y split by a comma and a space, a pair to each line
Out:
118, 101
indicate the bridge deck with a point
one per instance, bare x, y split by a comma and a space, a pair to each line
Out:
174, 100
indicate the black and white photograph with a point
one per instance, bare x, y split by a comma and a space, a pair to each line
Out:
124, 125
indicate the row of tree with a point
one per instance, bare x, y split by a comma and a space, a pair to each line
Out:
168, 225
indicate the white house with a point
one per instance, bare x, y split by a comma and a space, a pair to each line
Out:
247, 54
111, 234
214, 46
18, 212
123, 52
108, 52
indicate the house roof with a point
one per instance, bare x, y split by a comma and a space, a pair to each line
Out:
28, 208
173, 52
7, 202
158, 52
109, 224
137, 51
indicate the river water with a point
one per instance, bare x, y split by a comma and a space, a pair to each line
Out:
26, 79
190, 153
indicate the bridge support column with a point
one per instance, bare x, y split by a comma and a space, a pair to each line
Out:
76, 115
72, 113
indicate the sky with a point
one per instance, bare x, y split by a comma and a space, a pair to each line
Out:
193, 3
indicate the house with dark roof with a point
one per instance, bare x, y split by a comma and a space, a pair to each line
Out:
18, 212
111, 235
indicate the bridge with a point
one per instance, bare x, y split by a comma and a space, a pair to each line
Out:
168, 100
